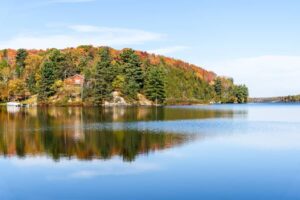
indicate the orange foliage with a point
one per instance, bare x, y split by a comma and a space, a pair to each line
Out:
152, 58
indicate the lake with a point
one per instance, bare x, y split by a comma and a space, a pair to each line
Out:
247, 151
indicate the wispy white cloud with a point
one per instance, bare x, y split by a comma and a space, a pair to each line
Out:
87, 28
270, 75
70, 1
112, 31
168, 50
82, 34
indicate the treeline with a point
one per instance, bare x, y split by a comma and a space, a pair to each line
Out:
281, 99
295, 98
27, 73
228, 92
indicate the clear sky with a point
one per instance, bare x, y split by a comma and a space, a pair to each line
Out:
257, 42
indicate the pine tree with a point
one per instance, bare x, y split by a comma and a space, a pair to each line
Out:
132, 68
47, 80
104, 76
31, 83
155, 85
20, 61
218, 87
58, 61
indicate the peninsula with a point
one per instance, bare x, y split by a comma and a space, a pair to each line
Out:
88, 75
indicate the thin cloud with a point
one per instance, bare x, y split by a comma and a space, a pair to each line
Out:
114, 30
82, 34
270, 75
71, 1
168, 50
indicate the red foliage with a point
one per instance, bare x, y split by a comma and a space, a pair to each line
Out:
152, 58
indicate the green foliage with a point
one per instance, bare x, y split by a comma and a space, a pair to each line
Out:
47, 80
103, 77
57, 60
31, 83
118, 83
131, 65
241, 93
106, 70
183, 85
227, 92
3, 64
218, 87
155, 85
131, 88
20, 61
69, 65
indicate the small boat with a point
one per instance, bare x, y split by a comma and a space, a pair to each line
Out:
13, 104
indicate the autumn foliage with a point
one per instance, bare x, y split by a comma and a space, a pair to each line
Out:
24, 73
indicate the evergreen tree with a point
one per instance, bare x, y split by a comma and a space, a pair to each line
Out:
132, 68
155, 85
20, 61
58, 62
103, 77
130, 88
31, 83
47, 80
218, 87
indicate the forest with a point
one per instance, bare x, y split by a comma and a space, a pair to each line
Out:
45, 77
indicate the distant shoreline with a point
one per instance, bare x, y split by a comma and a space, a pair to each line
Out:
281, 99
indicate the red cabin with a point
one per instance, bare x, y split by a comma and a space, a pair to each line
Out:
75, 80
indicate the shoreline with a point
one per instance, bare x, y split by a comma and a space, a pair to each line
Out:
135, 105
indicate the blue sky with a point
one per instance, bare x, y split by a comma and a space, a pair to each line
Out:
256, 42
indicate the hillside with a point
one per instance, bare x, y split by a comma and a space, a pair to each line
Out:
89, 75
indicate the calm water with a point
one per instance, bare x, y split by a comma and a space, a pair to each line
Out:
187, 152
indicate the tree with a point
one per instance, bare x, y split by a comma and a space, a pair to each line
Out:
72, 64
4, 74
155, 85
58, 63
20, 61
218, 87
47, 80
103, 77
31, 83
241, 93
132, 69
3, 64
16, 89
118, 83
130, 88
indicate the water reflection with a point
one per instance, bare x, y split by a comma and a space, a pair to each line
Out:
90, 133
90, 145
121, 114
254, 148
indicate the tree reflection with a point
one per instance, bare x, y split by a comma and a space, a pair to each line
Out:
66, 132
60, 133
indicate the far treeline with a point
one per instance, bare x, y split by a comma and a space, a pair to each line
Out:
43, 77
283, 99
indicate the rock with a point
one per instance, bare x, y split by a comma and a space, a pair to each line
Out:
117, 100
143, 101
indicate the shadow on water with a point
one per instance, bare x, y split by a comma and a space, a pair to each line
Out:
69, 132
